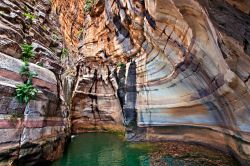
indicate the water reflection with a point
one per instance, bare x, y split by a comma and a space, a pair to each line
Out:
102, 149
99, 149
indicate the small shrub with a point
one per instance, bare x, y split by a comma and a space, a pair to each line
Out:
27, 52
29, 16
65, 53
54, 37
80, 32
44, 28
25, 71
121, 64
30, 76
26, 8
88, 5
25, 92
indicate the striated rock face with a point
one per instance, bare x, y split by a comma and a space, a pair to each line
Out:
167, 69
95, 104
34, 132
187, 68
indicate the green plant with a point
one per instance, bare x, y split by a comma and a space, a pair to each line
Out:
27, 52
64, 53
80, 32
29, 16
54, 37
88, 5
30, 76
25, 92
25, 71
121, 64
44, 28
26, 8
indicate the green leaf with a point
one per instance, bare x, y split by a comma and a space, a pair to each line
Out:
25, 92
29, 16
27, 52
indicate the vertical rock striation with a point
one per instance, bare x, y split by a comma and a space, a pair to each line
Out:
95, 104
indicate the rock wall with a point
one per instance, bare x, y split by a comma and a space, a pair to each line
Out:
168, 69
187, 67
95, 103
34, 132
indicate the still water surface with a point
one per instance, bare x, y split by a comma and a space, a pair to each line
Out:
103, 149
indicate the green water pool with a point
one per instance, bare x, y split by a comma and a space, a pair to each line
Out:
103, 149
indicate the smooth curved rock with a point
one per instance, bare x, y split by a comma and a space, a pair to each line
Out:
168, 69
192, 66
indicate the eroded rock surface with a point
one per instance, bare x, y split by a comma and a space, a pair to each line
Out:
37, 131
187, 66
95, 104
168, 69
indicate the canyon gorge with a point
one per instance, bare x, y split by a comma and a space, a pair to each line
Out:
156, 70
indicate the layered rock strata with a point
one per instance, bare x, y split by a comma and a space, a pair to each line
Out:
187, 66
95, 104
168, 69
34, 132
